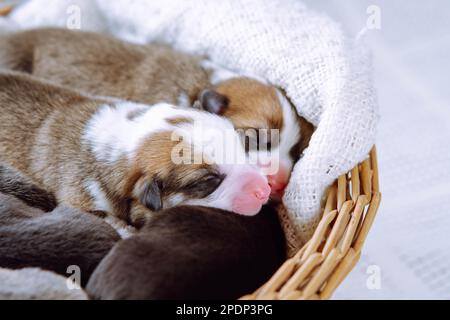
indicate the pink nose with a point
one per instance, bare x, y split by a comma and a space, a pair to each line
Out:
255, 192
262, 195
278, 183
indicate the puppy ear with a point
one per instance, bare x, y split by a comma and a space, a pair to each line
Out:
213, 102
151, 195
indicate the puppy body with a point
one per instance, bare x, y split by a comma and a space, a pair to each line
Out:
52, 241
117, 157
14, 183
192, 253
103, 66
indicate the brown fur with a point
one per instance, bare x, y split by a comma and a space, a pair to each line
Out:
306, 132
241, 108
192, 253
101, 65
52, 241
14, 183
49, 121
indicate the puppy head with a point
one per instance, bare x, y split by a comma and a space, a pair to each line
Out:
270, 128
196, 158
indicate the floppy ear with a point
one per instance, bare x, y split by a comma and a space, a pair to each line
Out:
213, 102
150, 196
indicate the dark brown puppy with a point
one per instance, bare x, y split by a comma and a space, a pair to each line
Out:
16, 184
52, 241
192, 253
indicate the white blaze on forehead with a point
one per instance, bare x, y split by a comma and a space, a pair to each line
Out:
211, 136
288, 136
290, 133
118, 130
113, 132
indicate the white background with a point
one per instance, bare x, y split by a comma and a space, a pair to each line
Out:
410, 239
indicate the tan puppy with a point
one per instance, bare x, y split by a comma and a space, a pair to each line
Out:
121, 157
103, 66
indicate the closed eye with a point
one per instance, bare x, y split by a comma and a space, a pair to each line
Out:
256, 139
204, 186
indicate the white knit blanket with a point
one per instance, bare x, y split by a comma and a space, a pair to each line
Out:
37, 284
325, 74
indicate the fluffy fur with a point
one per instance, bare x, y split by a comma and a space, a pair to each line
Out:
52, 241
100, 155
192, 253
103, 66
16, 184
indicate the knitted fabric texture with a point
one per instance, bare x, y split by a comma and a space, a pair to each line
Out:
326, 75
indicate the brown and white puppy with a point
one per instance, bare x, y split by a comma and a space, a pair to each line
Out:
192, 253
14, 183
259, 110
103, 66
122, 157
52, 241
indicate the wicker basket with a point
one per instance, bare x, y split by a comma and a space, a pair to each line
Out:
323, 263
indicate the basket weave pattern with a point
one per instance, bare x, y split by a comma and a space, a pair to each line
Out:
326, 259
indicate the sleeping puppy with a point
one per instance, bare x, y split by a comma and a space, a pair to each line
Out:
103, 66
192, 253
14, 183
121, 157
52, 241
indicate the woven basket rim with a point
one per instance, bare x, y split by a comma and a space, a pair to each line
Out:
320, 266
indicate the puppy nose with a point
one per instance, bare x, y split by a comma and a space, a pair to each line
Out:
253, 194
263, 194
276, 184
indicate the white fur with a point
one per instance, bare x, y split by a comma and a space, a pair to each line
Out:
183, 100
174, 200
101, 202
288, 136
111, 134
326, 74
290, 133
223, 196
124, 230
